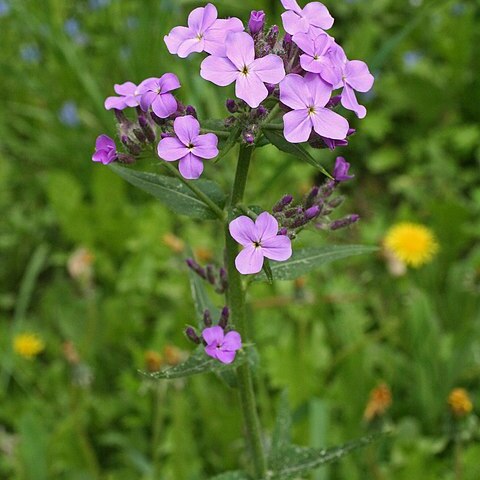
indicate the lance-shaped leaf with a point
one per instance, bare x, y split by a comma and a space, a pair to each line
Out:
281, 432
200, 362
295, 461
235, 475
306, 260
275, 137
174, 193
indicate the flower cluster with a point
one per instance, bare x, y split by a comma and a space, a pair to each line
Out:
220, 341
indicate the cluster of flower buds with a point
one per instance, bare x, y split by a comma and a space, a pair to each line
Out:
316, 206
220, 341
215, 276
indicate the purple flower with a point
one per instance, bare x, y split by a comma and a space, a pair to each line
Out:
352, 75
313, 16
204, 33
240, 66
128, 97
315, 48
155, 93
105, 150
188, 146
256, 22
260, 239
340, 172
307, 96
220, 346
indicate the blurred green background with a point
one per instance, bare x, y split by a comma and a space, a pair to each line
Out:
79, 410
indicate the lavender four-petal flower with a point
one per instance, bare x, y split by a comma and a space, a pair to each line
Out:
204, 33
240, 66
128, 97
105, 150
188, 146
259, 239
313, 16
221, 346
315, 46
155, 93
307, 96
340, 172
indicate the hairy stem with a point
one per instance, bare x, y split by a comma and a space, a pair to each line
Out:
236, 302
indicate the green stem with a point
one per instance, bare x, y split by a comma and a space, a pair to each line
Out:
199, 194
218, 133
236, 302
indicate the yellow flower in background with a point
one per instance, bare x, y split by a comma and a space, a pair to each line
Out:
28, 345
379, 402
459, 402
411, 243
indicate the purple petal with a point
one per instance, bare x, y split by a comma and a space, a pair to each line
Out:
190, 166
164, 105
291, 5
99, 156
293, 92
176, 37
305, 42
225, 356
127, 88
191, 45
115, 102
269, 69
186, 128
212, 350
201, 18
147, 99
266, 226
148, 85
358, 76
215, 36
249, 260
104, 142
213, 335
277, 248
243, 230
293, 23
329, 124
218, 70
297, 126
318, 15
251, 89
206, 146
171, 149
349, 101
240, 49
310, 64
320, 90
168, 82
232, 341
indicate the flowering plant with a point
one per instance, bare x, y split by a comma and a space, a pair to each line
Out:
288, 91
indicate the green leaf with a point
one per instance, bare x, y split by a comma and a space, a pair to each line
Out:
306, 260
236, 475
174, 193
276, 138
229, 143
281, 432
200, 362
296, 461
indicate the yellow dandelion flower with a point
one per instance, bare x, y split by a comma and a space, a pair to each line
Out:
378, 403
28, 345
459, 402
412, 243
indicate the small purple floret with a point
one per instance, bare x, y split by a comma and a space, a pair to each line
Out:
155, 93
314, 16
259, 239
105, 150
188, 146
221, 346
128, 97
340, 172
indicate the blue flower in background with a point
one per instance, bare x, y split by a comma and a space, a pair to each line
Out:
71, 27
68, 114
4, 8
30, 53
132, 23
96, 4
411, 59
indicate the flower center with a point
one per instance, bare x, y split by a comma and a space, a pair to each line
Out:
199, 36
190, 146
257, 244
311, 110
245, 70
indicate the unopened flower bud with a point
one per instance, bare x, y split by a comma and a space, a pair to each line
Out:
207, 318
121, 118
125, 158
190, 110
192, 335
311, 196
223, 279
132, 147
140, 135
283, 231
248, 137
261, 112
272, 36
159, 121
312, 212
231, 105
282, 203
146, 128
335, 202
256, 22
230, 122
340, 172
192, 264
224, 317
344, 222
287, 40
270, 88
211, 275
334, 101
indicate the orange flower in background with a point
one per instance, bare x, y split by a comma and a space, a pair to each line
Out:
378, 403
28, 345
174, 243
460, 402
153, 361
412, 243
